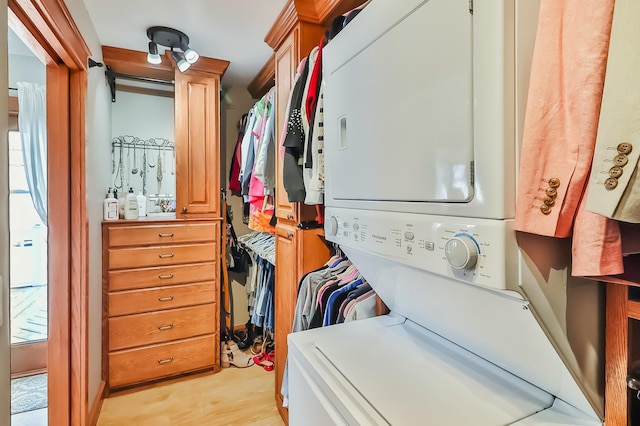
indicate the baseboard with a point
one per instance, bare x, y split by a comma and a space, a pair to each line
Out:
94, 414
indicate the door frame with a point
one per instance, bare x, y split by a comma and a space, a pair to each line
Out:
47, 27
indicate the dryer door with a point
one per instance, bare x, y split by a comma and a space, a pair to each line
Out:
419, 148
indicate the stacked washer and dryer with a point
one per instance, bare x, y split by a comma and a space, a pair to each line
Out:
424, 104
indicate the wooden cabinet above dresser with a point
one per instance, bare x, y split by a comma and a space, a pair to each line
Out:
160, 299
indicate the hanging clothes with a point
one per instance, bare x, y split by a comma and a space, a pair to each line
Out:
321, 301
294, 137
236, 160
565, 92
256, 157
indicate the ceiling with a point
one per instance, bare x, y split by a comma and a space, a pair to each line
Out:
232, 30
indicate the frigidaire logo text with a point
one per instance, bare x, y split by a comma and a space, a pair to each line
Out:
379, 237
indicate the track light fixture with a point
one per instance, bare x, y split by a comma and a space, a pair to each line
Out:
190, 55
172, 39
181, 62
153, 57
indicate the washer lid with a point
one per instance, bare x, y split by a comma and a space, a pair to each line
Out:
407, 373
493, 325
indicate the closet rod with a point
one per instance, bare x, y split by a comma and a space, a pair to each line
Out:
140, 78
168, 146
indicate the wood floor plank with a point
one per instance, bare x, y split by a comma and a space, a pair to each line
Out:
235, 396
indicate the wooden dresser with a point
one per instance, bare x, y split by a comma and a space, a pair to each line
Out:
160, 299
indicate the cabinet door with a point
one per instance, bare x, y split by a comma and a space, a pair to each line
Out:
197, 145
285, 296
286, 64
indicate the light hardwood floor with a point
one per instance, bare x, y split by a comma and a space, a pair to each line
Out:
235, 396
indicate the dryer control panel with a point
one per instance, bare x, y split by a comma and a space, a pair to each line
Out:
479, 251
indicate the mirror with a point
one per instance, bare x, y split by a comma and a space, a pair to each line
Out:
143, 148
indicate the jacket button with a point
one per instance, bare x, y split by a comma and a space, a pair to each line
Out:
611, 183
545, 209
615, 171
554, 182
549, 201
551, 192
620, 160
624, 148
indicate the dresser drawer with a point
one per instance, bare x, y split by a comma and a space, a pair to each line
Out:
161, 276
154, 327
137, 257
138, 365
162, 234
160, 298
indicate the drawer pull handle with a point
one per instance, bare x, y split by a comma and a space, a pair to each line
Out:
166, 235
165, 277
289, 216
165, 327
165, 299
289, 234
163, 256
165, 361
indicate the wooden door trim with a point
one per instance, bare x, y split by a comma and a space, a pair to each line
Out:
50, 23
616, 356
47, 27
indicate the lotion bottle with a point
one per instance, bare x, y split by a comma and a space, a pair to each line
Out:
130, 205
142, 204
110, 207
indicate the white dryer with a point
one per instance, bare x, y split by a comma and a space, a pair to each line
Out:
424, 103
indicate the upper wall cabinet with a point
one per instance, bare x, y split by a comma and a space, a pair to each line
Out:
198, 145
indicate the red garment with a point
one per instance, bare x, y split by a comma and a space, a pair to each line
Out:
314, 85
234, 171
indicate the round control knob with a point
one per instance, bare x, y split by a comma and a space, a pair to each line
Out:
461, 252
331, 226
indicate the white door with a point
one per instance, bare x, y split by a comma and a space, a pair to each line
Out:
4, 225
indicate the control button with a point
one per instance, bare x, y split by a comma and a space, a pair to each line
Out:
356, 226
345, 233
551, 192
345, 224
461, 252
408, 235
409, 249
554, 182
429, 245
545, 209
331, 226
620, 160
549, 201
611, 183
624, 148
615, 171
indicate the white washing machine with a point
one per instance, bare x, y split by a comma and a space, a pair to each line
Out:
424, 103
460, 347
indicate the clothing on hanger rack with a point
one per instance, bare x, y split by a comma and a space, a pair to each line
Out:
261, 243
332, 294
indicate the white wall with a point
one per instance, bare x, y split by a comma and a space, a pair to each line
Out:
25, 68
97, 133
146, 117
